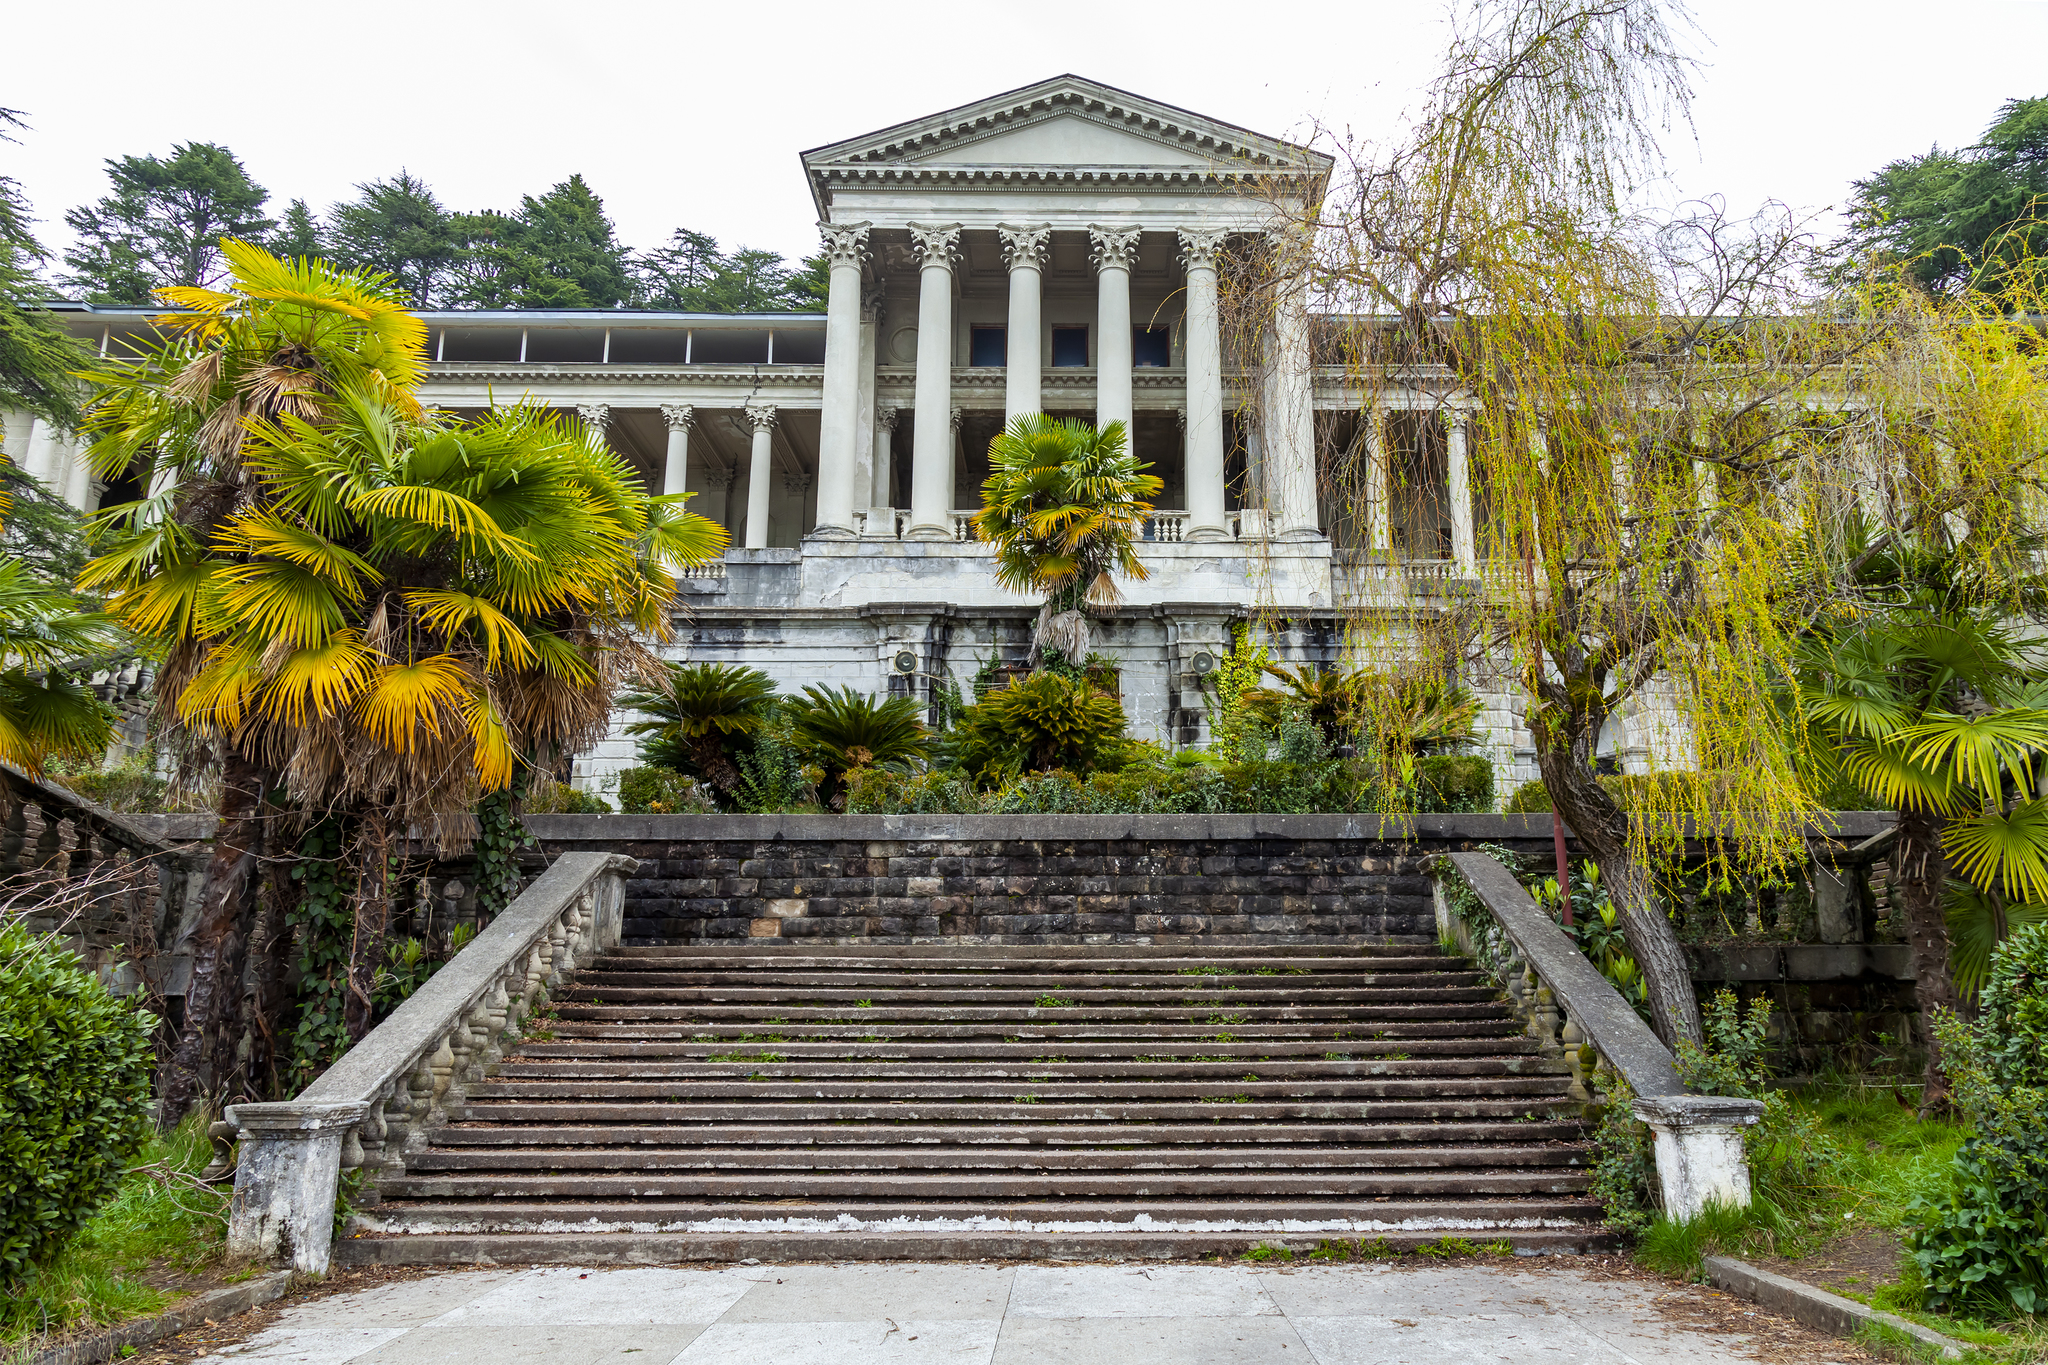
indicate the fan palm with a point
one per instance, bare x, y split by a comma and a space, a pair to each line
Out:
364, 609
43, 712
840, 730
1064, 505
700, 717
1929, 712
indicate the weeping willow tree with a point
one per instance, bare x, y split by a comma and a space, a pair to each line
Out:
1665, 433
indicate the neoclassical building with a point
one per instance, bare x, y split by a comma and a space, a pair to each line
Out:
1053, 249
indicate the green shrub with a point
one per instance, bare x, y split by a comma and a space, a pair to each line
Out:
1988, 1241
75, 1066
549, 797
1531, 798
662, 791
130, 785
1453, 782
1046, 721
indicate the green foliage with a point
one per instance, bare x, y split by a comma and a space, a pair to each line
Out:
75, 1071
1235, 723
163, 223
322, 922
774, 776
1044, 722
1969, 219
1453, 782
556, 251
1624, 1166
160, 1219
549, 797
397, 228
1063, 505
37, 355
499, 836
1987, 1241
690, 274
43, 531
132, 785
701, 719
840, 730
662, 791
1531, 798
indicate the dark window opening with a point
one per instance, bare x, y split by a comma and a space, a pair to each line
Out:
1070, 348
989, 346
1151, 348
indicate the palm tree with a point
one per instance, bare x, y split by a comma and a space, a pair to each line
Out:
1064, 505
365, 610
43, 712
1930, 711
842, 730
700, 717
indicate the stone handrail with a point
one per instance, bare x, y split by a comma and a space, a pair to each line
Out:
380, 1098
1572, 1009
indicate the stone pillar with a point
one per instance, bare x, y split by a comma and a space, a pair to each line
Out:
1379, 506
1114, 251
954, 467
1458, 478
758, 474
839, 422
1698, 1142
1290, 423
34, 459
596, 416
16, 427
931, 453
675, 469
1205, 388
78, 483
286, 1177
882, 515
1024, 251
864, 410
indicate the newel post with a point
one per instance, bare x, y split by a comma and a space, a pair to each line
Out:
1698, 1141
287, 1178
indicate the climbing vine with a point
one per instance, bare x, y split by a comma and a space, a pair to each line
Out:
323, 924
500, 836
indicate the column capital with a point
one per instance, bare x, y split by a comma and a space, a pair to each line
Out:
762, 415
885, 417
845, 243
679, 416
796, 483
935, 244
721, 477
959, 416
1025, 247
1113, 247
871, 309
1199, 247
595, 415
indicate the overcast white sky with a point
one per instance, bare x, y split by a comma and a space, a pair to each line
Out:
691, 114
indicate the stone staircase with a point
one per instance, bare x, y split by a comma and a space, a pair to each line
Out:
852, 1101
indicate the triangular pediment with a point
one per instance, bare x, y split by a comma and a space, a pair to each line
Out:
1064, 125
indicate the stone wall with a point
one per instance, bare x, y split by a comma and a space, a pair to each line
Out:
1843, 1006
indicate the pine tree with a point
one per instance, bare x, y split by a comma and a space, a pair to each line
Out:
37, 355
397, 227
558, 251
163, 223
298, 233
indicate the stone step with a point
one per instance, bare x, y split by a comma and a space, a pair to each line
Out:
1345, 952
1016, 1134
607, 1045
1030, 1031
606, 976
1084, 996
924, 1158
1048, 1089
1447, 1107
1212, 1014
983, 1186
754, 1065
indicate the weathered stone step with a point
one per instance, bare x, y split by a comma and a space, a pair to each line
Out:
1017, 1134
1412, 948
920, 1159
1085, 995
1448, 1107
618, 976
1047, 1089
830, 1185
606, 1045
883, 1013
1032, 1033
755, 1066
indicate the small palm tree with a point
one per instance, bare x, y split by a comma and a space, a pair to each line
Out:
700, 717
1064, 505
1932, 713
43, 712
842, 730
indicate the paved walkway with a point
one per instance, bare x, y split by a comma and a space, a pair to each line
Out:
1006, 1315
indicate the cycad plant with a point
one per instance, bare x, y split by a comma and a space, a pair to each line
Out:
1931, 712
1064, 505
698, 719
841, 730
364, 610
1046, 721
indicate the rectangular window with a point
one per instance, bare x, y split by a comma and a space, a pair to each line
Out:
1151, 348
988, 347
1070, 348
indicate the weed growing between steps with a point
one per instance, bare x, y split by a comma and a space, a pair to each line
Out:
1338, 1249
162, 1233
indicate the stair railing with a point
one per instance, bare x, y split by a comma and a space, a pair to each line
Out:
1570, 1009
412, 1070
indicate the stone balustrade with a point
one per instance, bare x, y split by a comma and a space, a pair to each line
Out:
412, 1069
1575, 1013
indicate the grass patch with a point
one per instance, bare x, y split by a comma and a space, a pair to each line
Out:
1054, 1002
159, 1220
747, 1057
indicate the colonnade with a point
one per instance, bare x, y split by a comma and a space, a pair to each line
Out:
56, 457
850, 425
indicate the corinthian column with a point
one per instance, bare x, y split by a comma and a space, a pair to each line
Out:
1290, 448
758, 483
931, 448
675, 470
1114, 251
1024, 251
839, 423
1205, 387
596, 416
1458, 474
882, 516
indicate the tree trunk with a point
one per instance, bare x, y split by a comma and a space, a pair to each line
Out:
272, 946
373, 915
1576, 794
1923, 876
213, 999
